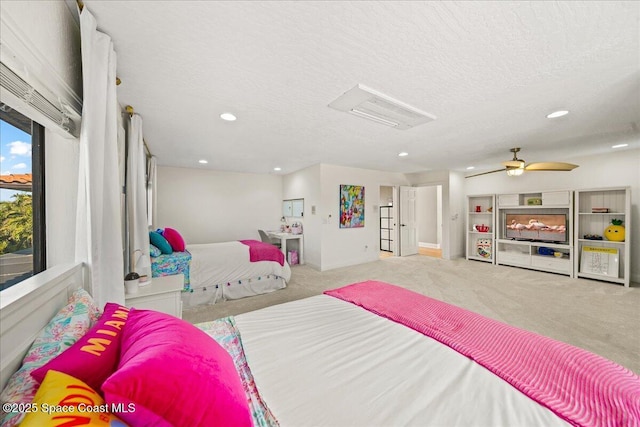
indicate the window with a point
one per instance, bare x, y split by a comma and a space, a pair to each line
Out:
22, 210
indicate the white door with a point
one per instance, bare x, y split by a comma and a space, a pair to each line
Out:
408, 228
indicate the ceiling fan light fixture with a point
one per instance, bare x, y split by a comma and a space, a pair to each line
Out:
558, 113
516, 171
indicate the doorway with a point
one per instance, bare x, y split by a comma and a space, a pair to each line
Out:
429, 220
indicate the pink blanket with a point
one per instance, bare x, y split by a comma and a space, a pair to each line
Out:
580, 387
260, 251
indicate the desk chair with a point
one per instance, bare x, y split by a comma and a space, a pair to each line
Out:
265, 238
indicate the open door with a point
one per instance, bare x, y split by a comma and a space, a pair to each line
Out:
408, 229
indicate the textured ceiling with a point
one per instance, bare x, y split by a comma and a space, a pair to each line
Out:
489, 71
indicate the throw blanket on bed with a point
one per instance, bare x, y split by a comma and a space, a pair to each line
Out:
580, 387
260, 251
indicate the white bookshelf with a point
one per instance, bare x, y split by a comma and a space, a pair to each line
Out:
480, 245
602, 259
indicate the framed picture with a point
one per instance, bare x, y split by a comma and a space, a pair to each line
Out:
351, 206
596, 260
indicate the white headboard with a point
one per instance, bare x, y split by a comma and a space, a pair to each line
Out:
27, 307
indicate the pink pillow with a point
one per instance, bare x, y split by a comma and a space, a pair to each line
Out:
175, 239
175, 374
94, 356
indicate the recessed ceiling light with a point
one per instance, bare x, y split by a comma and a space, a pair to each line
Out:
277, 169
403, 154
470, 168
619, 145
228, 117
558, 113
203, 161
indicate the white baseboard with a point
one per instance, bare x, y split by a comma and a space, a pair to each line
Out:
429, 245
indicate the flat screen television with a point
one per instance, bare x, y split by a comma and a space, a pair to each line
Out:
537, 227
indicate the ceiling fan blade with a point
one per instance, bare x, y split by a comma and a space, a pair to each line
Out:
551, 166
485, 173
513, 163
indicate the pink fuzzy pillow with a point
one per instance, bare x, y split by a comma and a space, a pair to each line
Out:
175, 374
175, 239
94, 356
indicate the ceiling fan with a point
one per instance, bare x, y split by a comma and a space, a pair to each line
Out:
516, 166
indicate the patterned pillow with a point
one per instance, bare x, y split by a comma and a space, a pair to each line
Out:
64, 329
154, 251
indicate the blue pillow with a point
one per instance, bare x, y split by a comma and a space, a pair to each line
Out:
160, 242
154, 251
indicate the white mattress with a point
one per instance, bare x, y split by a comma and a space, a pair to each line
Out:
228, 262
325, 362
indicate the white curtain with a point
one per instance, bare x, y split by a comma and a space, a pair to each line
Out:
140, 262
98, 230
152, 180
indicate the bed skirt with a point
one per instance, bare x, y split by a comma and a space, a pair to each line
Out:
233, 290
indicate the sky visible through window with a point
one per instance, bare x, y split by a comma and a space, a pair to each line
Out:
15, 155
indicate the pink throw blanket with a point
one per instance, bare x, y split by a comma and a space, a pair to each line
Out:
581, 387
260, 251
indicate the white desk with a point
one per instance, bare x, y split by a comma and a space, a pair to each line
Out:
283, 243
163, 294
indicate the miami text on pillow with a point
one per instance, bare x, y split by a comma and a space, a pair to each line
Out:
175, 374
94, 356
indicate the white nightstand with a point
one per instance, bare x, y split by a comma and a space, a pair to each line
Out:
163, 294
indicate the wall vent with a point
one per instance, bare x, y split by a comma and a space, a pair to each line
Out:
380, 108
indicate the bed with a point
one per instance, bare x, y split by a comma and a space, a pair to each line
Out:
367, 354
225, 271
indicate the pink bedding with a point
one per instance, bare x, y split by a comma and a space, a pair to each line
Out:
260, 251
580, 387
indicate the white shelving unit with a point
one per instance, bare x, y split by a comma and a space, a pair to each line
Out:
602, 259
481, 211
535, 254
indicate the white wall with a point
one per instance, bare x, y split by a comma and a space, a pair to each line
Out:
212, 206
427, 214
305, 184
342, 247
614, 169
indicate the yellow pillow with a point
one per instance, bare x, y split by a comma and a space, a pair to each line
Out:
64, 400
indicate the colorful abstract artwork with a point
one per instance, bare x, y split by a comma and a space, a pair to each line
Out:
351, 206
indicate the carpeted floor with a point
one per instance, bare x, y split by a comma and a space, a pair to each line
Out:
598, 316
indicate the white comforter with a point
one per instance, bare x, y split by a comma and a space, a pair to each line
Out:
215, 264
324, 362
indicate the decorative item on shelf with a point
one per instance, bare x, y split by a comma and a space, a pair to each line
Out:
490, 209
534, 201
599, 210
481, 228
296, 228
558, 254
478, 208
592, 237
543, 250
131, 282
483, 248
615, 232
